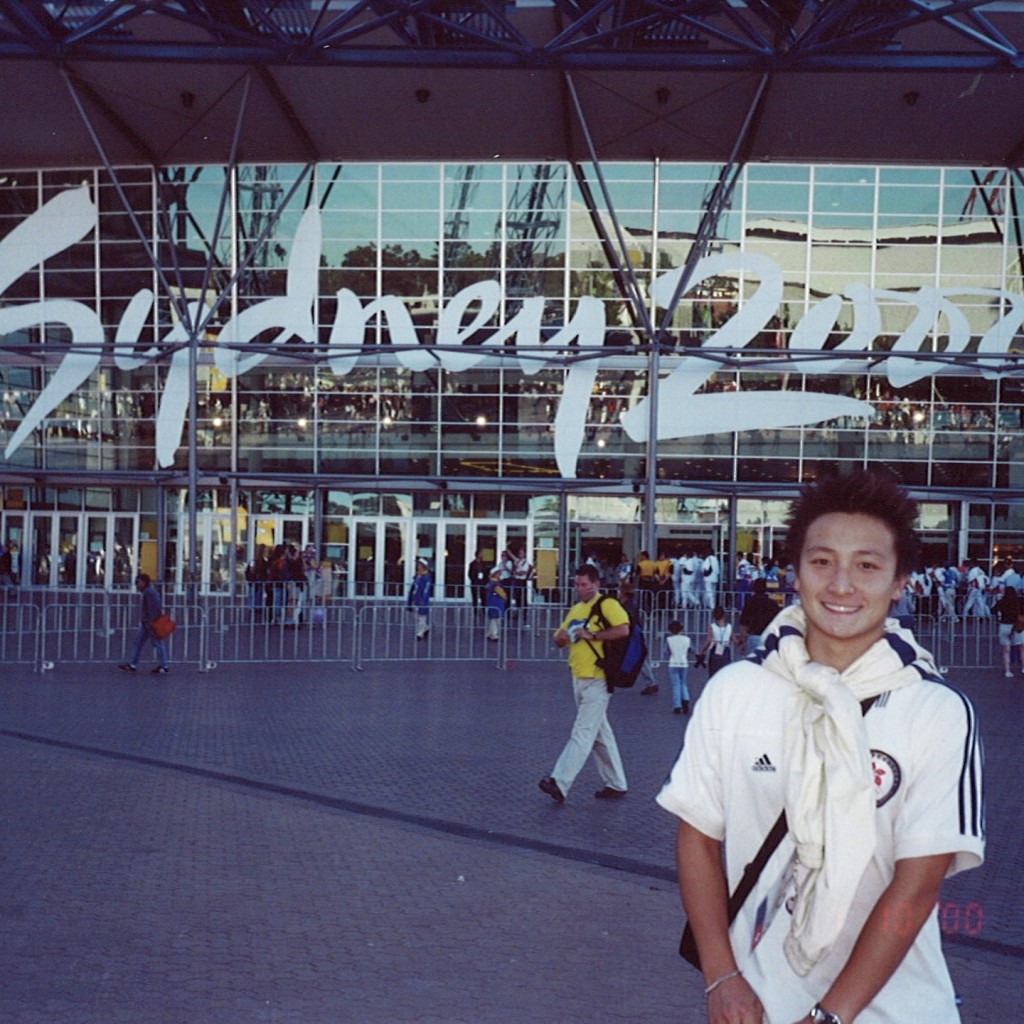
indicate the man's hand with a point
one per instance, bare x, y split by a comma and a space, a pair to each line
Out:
703, 886
735, 1002
882, 944
562, 638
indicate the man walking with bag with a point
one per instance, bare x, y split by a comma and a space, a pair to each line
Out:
842, 720
584, 631
152, 609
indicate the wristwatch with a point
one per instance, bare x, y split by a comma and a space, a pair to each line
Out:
820, 1016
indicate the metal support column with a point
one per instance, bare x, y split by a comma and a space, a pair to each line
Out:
564, 568
715, 206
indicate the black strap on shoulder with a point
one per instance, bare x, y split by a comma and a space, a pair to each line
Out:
596, 610
752, 872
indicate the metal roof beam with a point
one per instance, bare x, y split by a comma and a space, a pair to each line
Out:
33, 21
539, 59
684, 35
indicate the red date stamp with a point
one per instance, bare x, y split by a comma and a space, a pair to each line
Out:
961, 918
955, 918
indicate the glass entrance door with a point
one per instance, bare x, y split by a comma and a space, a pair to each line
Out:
271, 530
53, 550
380, 560
491, 539
41, 570
76, 551
12, 536
69, 571
110, 545
455, 559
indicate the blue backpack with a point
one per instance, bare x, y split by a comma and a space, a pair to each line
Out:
622, 659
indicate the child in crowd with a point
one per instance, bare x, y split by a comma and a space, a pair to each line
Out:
677, 648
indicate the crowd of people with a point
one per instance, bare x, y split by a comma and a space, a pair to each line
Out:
964, 591
691, 579
284, 583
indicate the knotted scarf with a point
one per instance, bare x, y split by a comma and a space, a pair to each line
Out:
830, 789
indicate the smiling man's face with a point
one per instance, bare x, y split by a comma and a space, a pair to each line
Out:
847, 580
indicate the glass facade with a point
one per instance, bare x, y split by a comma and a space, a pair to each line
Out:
325, 347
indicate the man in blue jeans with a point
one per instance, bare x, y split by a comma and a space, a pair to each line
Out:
152, 608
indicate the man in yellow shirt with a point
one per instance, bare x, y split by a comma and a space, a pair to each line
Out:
584, 633
664, 592
646, 570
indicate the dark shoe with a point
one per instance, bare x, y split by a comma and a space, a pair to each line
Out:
550, 787
159, 671
648, 690
609, 794
686, 707
127, 666
677, 711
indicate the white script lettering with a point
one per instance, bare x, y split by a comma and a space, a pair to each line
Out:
682, 412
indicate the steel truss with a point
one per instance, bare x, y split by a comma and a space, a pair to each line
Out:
741, 35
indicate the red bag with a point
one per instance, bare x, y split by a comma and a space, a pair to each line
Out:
163, 626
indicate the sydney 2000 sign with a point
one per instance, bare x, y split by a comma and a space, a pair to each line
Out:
72, 215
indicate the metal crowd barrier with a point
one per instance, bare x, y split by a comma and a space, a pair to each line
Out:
386, 631
964, 643
44, 628
98, 626
237, 632
19, 631
47, 628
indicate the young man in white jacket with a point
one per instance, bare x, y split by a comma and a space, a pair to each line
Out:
842, 720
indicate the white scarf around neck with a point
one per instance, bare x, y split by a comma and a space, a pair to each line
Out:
830, 790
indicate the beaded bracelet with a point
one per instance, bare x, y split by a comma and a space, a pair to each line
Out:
721, 981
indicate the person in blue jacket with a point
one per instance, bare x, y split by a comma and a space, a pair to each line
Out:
497, 605
420, 593
152, 608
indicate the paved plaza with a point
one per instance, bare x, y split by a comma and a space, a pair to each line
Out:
309, 844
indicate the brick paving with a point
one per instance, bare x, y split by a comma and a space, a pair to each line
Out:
309, 844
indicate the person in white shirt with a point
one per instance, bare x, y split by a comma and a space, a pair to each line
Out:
718, 646
1003, 576
677, 651
947, 591
977, 585
1011, 578
522, 573
842, 720
745, 573
712, 573
689, 577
